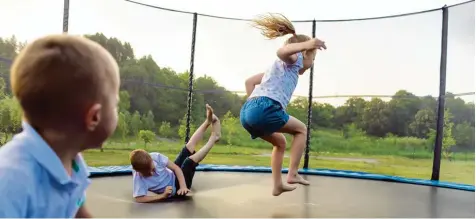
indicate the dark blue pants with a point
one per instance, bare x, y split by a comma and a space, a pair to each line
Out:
187, 165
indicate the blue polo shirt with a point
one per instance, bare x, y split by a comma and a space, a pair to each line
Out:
34, 182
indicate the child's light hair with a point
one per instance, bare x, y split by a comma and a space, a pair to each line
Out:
57, 77
273, 25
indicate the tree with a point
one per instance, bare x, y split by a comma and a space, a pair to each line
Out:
9, 48
165, 129
229, 124
3, 94
183, 127
351, 112
147, 136
448, 140
425, 120
298, 108
122, 129
376, 118
458, 108
322, 115
135, 123
124, 101
10, 115
464, 136
121, 52
148, 121
403, 107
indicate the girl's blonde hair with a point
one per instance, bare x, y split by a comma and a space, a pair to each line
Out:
273, 25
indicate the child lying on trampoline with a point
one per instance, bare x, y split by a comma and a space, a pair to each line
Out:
154, 172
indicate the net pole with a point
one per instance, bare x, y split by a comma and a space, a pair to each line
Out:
190, 78
435, 175
309, 107
65, 16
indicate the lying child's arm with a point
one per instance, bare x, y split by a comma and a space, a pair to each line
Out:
154, 198
252, 81
140, 190
181, 179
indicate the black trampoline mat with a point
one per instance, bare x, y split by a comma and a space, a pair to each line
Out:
233, 194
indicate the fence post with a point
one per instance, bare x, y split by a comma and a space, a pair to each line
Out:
65, 16
190, 78
309, 107
435, 175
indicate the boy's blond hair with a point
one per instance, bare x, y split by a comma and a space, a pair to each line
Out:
274, 25
141, 161
57, 77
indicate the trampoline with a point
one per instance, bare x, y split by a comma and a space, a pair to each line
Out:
231, 191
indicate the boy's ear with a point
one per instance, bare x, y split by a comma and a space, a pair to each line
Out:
93, 117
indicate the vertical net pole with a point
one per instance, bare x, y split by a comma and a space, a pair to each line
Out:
435, 175
65, 16
309, 107
190, 78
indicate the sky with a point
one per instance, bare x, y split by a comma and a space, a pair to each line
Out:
373, 57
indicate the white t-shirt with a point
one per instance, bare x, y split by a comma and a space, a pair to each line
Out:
160, 179
280, 81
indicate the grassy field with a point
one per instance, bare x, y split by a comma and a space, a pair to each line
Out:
460, 170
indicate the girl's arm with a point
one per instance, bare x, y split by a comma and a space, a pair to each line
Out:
251, 82
287, 53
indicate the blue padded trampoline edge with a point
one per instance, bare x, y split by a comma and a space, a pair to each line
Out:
120, 170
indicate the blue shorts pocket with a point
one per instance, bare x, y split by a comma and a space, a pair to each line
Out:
262, 116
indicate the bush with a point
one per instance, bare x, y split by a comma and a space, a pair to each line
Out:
147, 136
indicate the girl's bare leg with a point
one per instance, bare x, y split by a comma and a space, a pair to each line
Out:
279, 145
299, 131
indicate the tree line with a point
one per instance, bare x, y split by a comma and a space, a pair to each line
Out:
155, 98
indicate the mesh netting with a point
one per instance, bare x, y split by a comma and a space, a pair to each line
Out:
374, 107
231, 51
26, 22
164, 35
458, 131
379, 57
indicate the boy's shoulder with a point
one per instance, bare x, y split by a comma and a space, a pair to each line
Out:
28, 153
18, 186
18, 171
17, 161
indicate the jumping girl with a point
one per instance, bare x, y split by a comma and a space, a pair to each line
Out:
263, 115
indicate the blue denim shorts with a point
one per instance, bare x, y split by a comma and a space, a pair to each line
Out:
262, 116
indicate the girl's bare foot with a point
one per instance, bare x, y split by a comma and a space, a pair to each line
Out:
209, 114
297, 179
282, 188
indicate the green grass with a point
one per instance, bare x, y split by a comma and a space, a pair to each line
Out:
459, 170
333, 141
